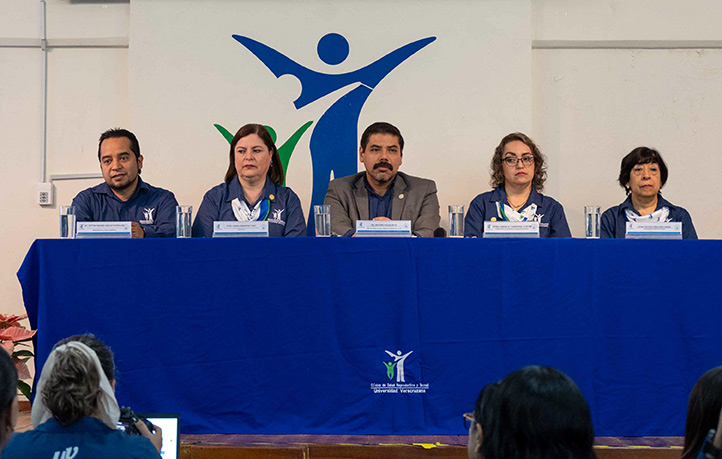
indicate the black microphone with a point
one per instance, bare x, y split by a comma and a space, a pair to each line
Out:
439, 232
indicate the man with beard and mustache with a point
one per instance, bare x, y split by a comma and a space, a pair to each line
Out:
124, 196
381, 192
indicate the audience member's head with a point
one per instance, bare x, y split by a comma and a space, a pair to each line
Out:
105, 355
537, 413
8, 397
75, 401
480, 418
77, 381
703, 411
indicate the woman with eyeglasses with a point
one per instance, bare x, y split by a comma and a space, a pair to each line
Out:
643, 174
478, 422
533, 413
702, 430
518, 173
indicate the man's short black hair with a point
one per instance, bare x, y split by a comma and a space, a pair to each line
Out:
118, 132
381, 127
641, 155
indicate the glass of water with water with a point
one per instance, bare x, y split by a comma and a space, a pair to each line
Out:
322, 218
67, 221
456, 221
183, 216
591, 222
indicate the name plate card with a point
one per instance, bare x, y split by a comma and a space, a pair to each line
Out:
240, 229
383, 228
654, 230
511, 229
101, 230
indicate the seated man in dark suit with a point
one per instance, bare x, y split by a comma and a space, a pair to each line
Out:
381, 192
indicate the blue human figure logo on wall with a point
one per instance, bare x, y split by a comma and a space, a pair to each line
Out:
334, 140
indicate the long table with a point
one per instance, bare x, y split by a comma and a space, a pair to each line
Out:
308, 335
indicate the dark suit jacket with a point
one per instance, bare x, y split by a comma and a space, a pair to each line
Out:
414, 199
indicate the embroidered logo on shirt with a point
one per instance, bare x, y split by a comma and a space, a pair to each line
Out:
67, 453
277, 217
148, 214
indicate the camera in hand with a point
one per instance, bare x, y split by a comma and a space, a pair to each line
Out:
127, 421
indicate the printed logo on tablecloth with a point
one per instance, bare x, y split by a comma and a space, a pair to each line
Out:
396, 374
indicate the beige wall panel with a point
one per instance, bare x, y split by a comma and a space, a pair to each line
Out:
592, 107
626, 20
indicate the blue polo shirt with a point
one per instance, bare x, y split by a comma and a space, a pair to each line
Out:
88, 438
285, 217
153, 208
552, 221
380, 206
614, 220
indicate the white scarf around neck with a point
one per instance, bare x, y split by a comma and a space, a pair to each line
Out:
659, 215
526, 215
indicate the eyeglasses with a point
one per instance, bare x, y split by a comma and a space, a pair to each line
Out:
468, 420
512, 161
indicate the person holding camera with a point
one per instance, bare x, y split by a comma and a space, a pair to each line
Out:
75, 414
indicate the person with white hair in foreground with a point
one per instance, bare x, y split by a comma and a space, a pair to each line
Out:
75, 414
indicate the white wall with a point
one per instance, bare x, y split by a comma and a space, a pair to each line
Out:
87, 93
593, 106
626, 20
453, 100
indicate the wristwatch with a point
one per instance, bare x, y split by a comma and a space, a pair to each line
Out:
709, 449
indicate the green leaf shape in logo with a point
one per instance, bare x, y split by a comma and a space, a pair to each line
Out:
390, 369
228, 136
284, 151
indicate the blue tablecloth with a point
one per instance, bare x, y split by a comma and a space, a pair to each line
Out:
290, 335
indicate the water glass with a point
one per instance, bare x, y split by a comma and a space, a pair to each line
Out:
67, 221
456, 221
183, 215
322, 218
591, 222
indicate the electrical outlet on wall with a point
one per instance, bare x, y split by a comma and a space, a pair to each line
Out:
46, 193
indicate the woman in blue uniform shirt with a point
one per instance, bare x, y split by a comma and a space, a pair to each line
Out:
518, 173
252, 190
642, 175
75, 413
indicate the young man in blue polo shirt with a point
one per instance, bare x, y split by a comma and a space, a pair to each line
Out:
125, 196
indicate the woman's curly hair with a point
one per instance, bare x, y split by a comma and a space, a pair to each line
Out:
73, 388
